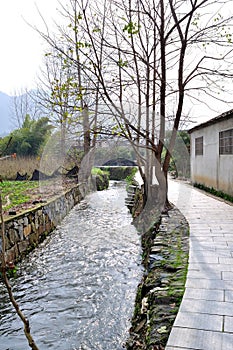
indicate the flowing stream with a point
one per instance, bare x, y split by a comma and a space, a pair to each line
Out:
78, 288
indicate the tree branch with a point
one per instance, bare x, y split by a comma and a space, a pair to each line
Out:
28, 335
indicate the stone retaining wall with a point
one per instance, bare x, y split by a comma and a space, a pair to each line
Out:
23, 232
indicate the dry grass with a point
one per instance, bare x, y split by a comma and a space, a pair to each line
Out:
10, 166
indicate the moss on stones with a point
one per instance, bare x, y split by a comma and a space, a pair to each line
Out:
165, 257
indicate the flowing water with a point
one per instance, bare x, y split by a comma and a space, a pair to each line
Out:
78, 288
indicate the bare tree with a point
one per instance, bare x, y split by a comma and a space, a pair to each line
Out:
156, 54
24, 103
147, 60
72, 95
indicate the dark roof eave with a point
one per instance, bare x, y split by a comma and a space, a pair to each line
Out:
221, 117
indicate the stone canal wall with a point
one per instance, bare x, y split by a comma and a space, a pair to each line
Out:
24, 231
165, 258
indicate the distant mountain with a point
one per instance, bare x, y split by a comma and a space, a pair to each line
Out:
22, 104
5, 115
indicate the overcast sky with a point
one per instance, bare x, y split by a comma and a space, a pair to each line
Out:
21, 46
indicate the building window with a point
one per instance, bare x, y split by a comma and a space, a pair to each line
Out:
199, 146
226, 142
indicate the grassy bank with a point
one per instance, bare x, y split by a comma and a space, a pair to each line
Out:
100, 178
214, 192
15, 193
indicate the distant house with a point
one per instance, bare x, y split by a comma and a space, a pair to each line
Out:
212, 153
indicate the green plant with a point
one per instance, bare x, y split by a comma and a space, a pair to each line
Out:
27, 140
98, 171
15, 192
102, 178
12, 272
214, 192
130, 178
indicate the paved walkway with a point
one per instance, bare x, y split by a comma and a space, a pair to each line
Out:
205, 317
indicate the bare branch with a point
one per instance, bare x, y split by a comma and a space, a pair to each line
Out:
28, 335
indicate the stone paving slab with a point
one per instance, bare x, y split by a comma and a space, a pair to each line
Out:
228, 296
209, 284
210, 267
204, 258
205, 317
196, 253
207, 307
199, 321
178, 348
228, 325
203, 294
195, 339
227, 275
213, 275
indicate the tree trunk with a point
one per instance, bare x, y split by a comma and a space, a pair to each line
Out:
167, 204
86, 130
63, 138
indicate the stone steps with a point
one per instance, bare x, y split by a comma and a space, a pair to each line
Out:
129, 200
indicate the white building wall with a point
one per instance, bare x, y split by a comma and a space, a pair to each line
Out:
212, 169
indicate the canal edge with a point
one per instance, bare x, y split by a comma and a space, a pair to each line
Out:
165, 249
